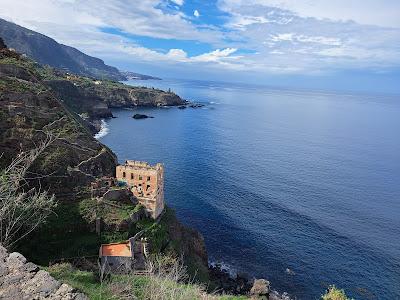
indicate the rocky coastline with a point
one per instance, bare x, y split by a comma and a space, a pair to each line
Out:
33, 99
242, 284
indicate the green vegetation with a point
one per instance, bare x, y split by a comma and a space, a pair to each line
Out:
112, 213
84, 281
334, 293
65, 235
15, 85
69, 232
159, 285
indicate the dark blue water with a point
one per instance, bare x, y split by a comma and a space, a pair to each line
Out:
280, 179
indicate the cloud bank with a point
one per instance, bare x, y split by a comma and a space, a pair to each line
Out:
263, 36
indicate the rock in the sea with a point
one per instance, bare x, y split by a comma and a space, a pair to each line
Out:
196, 105
182, 107
140, 116
260, 289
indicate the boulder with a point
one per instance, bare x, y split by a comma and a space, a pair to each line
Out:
260, 289
20, 279
3, 253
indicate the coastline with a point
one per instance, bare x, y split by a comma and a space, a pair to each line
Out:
222, 277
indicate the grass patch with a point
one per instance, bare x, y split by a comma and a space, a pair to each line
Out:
153, 287
86, 282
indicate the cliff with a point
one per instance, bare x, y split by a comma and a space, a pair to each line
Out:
33, 100
28, 107
47, 51
96, 98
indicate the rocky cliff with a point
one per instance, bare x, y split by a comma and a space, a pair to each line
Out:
28, 108
47, 51
96, 98
33, 100
20, 279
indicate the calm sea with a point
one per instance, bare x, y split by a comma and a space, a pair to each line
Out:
301, 188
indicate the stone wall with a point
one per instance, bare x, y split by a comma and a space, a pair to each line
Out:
146, 183
20, 279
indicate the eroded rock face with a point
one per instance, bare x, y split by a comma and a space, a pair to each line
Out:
2, 44
260, 289
20, 279
27, 107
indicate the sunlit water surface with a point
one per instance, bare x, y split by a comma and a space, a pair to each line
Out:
280, 180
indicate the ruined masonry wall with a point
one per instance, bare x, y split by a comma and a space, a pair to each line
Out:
146, 183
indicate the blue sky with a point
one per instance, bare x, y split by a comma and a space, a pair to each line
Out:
341, 44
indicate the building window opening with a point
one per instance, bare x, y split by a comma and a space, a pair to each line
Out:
123, 174
148, 178
131, 176
140, 177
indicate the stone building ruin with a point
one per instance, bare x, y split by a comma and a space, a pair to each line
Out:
146, 183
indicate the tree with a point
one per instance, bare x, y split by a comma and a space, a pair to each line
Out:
22, 209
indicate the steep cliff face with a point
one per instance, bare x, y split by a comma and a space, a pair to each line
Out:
32, 101
96, 98
79, 99
119, 95
28, 108
172, 237
47, 51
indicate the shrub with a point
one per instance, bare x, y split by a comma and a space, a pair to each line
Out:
334, 293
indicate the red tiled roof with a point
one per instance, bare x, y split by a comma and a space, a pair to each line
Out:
120, 249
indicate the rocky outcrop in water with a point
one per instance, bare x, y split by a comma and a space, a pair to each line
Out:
140, 116
243, 284
20, 279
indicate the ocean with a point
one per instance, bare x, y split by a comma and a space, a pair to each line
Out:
299, 187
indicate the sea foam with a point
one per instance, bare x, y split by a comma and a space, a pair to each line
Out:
104, 129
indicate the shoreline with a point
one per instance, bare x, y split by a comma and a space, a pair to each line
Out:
226, 277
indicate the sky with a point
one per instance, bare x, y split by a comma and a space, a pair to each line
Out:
321, 44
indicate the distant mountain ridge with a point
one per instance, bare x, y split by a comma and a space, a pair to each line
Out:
47, 51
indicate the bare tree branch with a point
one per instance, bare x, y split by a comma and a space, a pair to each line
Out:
21, 210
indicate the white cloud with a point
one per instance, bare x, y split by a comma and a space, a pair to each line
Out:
301, 38
177, 54
178, 2
282, 36
372, 12
145, 17
215, 55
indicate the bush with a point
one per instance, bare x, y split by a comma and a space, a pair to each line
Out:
334, 293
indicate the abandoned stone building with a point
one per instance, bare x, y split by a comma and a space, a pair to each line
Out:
146, 183
123, 257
